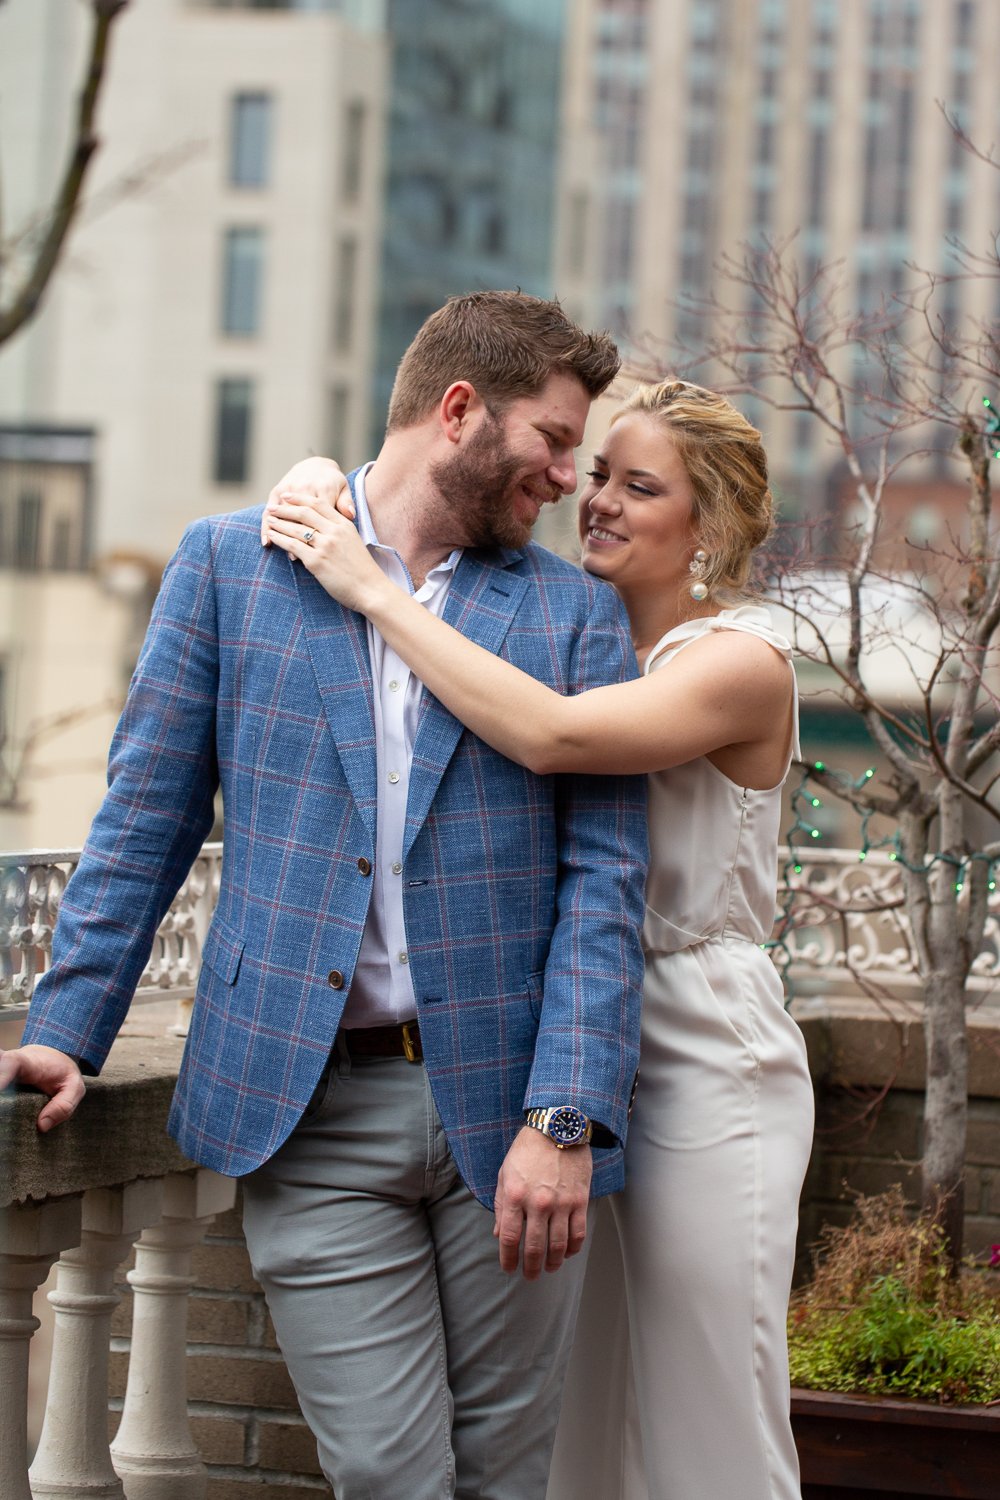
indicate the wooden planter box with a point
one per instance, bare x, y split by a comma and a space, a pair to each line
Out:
874, 1448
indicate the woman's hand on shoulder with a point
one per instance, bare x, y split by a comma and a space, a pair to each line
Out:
329, 546
311, 478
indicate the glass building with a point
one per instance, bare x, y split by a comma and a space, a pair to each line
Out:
470, 160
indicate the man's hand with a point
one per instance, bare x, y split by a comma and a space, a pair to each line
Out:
542, 1195
47, 1069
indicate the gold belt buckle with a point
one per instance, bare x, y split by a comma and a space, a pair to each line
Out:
410, 1042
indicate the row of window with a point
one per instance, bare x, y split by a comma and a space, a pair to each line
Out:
251, 137
244, 253
243, 256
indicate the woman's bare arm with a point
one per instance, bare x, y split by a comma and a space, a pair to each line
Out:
730, 689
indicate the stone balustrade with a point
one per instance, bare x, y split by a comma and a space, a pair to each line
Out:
839, 928
85, 1196
112, 1184
31, 887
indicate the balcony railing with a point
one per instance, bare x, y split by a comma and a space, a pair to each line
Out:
840, 925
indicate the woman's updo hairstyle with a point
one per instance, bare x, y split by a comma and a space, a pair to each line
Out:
726, 464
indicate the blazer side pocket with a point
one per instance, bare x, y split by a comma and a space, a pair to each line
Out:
223, 951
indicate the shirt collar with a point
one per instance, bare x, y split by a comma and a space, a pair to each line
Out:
366, 529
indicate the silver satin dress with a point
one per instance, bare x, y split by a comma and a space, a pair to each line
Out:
678, 1383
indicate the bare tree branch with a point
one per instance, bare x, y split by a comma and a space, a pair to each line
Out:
26, 301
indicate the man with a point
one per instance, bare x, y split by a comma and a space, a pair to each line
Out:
420, 987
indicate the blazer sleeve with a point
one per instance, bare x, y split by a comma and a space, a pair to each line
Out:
587, 1052
162, 779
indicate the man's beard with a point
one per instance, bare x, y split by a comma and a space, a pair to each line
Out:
476, 488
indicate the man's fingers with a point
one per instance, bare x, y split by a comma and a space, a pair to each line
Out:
8, 1069
536, 1245
50, 1071
508, 1229
577, 1236
61, 1106
558, 1241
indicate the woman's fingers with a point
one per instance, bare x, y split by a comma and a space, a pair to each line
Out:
306, 516
329, 501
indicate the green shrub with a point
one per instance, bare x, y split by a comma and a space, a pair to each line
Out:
883, 1315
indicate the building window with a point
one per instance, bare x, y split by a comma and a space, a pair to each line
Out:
29, 529
242, 274
340, 409
817, 178
354, 141
233, 418
578, 210
344, 293
250, 141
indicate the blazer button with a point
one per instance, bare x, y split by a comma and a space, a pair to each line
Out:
365, 865
335, 979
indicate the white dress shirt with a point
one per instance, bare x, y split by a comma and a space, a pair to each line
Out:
382, 990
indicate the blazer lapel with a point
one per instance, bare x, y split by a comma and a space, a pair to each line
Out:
338, 645
482, 602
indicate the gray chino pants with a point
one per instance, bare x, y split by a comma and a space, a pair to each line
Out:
424, 1371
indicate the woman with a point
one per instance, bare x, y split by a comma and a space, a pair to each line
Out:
684, 1395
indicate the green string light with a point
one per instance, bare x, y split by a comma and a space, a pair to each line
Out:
804, 831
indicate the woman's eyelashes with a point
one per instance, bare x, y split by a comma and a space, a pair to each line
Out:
632, 484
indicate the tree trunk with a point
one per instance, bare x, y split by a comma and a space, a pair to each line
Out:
947, 1053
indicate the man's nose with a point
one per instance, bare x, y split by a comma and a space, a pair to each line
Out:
562, 472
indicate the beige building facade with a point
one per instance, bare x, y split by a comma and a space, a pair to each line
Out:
213, 316
724, 123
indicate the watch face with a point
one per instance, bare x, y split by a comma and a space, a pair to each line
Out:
567, 1125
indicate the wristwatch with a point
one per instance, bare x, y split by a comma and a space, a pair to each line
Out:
565, 1125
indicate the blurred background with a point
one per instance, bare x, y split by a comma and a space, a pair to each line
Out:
284, 191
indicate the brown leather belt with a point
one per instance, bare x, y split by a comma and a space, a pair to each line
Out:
383, 1041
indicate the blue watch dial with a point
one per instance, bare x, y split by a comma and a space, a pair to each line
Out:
567, 1125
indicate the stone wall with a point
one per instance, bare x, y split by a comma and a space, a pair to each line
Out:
868, 1064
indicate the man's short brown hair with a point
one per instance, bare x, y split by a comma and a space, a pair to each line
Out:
505, 344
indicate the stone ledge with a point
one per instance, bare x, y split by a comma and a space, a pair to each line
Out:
861, 1043
117, 1135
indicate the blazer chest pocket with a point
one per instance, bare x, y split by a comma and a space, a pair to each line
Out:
223, 951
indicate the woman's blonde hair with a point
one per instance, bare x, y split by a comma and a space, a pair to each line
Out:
726, 464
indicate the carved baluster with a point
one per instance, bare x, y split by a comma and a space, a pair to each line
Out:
73, 1458
153, 1451
31, 1236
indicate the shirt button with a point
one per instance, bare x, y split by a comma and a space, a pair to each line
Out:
394, 686
364, 866
397, 868
403, 957
393, 777
335, 979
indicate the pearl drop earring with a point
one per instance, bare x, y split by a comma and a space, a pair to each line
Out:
698, 567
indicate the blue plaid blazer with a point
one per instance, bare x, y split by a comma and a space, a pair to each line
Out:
523, 894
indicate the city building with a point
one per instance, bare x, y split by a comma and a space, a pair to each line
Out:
724, 123
203, 323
